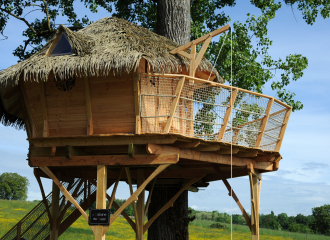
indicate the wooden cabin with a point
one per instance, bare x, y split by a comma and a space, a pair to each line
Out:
114, 95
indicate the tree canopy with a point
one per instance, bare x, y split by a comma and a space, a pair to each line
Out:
13, 186
252, 64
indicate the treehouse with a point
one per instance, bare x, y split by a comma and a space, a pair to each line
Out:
115, 102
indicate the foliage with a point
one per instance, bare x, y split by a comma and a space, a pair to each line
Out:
321, 222
13, 186
298, 227
252, 66
218, 225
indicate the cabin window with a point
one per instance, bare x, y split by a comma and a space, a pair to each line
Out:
62, 47
65, 84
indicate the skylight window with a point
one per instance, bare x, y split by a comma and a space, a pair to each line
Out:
62, 47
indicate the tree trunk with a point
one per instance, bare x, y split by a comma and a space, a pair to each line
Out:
173, 20
173, 223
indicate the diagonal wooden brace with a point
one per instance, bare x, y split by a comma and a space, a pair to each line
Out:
66, 194
246, 216
135, 195
44, 198
169, 203
115, 187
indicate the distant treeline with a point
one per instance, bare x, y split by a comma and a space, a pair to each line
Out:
318, 222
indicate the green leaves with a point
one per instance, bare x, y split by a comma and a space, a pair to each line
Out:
13, 186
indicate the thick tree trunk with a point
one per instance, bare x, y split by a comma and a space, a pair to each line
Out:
173, 20
173, 223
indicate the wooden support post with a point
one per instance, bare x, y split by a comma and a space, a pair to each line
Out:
55, 211
137, 92
174, 105
140, 205
101, 188
45, 132
264, 123
232, 193
254, 206
282, 132
88, 107
227, 115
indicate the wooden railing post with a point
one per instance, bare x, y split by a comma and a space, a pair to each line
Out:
264, 123
282, 132
227, 115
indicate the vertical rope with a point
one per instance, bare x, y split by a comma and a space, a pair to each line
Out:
231, 134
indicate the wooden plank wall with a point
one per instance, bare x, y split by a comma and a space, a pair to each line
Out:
112, 100
113, 107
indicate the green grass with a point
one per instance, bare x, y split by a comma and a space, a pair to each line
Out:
12, 211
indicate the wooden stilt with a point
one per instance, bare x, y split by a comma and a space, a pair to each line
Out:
101, 197
254, 206
140, 205
55, 211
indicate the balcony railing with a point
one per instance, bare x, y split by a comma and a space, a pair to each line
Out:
211, 111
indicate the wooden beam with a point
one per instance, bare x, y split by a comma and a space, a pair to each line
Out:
110, 160
101, 140
115, 187
191, 144
264, 122
208, 148
201, 54
135, 195
134, 150
201, 39
251, 153
232, 193
88, 107
137, 92
45, 132
174, 105
254, 206
28, 110
53, 153
227, 114
169, 204
233, 150
282, 132
207, 156
184, 54
71, 151
101, 189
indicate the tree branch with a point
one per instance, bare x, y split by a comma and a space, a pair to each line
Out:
19, 18
46, 10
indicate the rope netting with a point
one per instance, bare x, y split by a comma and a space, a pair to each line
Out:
201, 110
35, 225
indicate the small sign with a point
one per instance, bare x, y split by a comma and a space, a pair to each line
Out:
99, 217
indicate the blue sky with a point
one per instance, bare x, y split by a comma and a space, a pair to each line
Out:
303, 180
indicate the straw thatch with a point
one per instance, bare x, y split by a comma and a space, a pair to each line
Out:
107, 46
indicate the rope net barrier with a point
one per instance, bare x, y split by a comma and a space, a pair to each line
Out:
201, 109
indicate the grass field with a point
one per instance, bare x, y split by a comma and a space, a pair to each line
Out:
12, 211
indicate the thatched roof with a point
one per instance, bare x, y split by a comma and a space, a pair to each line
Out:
107, 46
